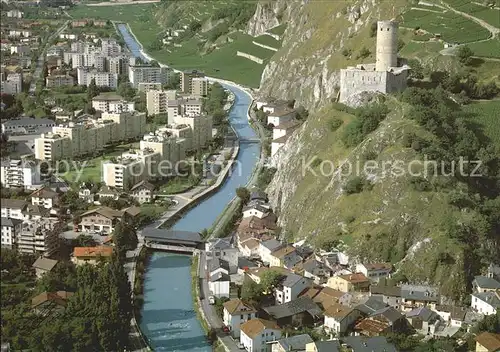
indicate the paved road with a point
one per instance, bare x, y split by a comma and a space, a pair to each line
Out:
41, 59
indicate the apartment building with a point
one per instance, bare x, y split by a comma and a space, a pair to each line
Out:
88, 136
112, 103
129, 169
194, 82
157, 100
166, 144
13, 208
102, 79
183, 107
10, 229
19, 173
118, 64
54, 81
146, 87
148, 74
38, 237
201, 129
110, 47
11, 83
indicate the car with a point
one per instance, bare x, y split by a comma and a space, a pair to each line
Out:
225, 329
211, 300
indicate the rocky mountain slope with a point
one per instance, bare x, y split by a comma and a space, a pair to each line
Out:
393, 219
306, 68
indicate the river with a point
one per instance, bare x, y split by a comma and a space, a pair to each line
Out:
168, 318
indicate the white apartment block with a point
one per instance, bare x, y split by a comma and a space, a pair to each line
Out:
157, 100
148, 74
201, 129
166, 144
89, 136
10, 229
146, 87
129, 169
112, 103
194, 83
19, 173
110, 47
13, 208
38, 237
183, 107
11, 83
20, 49
102, 79
54, 81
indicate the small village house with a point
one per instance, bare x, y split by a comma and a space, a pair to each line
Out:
488, 342
237, 312
339, 318
102, 219
292, 343
47, 303
374, 271
486, 303
91, 255
255, 334
485, 284
43, 265
453, 315
349, 283
45, 197
290, 288
223, 248
143, 192
286, 256
299, 312
266, 248
381, 322
219, 280
414, 296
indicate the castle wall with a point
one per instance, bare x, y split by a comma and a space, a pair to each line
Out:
396, 83
357, 81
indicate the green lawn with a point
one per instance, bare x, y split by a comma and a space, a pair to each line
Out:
486, 114
153, 210
93, 167
489, 48
452, 27
177, 185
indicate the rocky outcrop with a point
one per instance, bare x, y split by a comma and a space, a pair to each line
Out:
265, 17
306, 68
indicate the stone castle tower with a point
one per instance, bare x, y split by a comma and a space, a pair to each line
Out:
384, 75
387, 45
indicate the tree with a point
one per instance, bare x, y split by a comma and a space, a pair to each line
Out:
243, 193
126, 90
251, 291
85, 241
464, 55
354, 185
270, 279
92, 90
125, 237
417, 70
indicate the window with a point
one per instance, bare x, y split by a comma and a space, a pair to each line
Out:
241, 316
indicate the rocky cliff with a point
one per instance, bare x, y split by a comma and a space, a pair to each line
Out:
306, 67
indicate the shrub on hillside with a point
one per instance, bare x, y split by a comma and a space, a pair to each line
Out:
354, 185
335, 123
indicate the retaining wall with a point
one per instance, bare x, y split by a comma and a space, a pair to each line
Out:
250, 57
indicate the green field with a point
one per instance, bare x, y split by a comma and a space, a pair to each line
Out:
420, 49
268, 40
489, 15
279, 30
486, 114
221, 62
124, 13
453, 27
489, 48
92, 170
